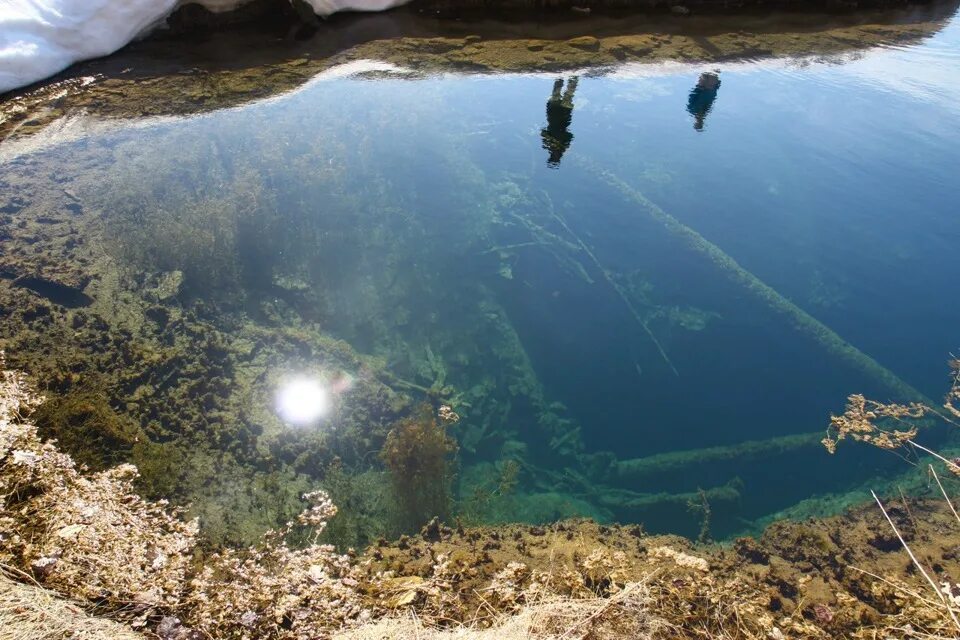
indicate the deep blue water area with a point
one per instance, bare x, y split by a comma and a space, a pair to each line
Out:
459, 223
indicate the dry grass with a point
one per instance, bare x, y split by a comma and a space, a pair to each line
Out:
32, 613
627, 614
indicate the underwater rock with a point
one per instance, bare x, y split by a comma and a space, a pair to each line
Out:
56, 292
168, 285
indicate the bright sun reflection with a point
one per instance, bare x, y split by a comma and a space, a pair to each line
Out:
302, 401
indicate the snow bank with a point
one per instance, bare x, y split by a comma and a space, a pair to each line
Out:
38, 38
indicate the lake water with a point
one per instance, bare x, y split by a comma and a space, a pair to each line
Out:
617, 276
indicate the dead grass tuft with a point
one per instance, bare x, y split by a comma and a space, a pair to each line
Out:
627, 614
31, 613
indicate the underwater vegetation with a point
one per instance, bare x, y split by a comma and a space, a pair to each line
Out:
254, 260
418, 456
406, 251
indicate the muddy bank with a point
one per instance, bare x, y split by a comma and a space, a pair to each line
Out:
183, 75
799, 579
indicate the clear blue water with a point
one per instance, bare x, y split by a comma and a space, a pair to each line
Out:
422, 220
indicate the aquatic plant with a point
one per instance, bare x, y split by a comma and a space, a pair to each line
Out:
89, 536
362, 498
418, 455
480, 503
619, 289
701, 507
85, 423
100, 545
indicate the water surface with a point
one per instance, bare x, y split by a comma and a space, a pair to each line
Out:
518, 245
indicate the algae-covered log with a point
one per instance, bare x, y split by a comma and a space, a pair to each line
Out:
638, 468
802, 321
620, 499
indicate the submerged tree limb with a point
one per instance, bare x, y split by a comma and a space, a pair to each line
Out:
613, 283
797, 317
638, 468
620, 499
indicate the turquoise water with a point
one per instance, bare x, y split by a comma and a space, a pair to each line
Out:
553, 274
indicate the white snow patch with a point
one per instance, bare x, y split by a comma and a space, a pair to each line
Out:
329, 7
39, 38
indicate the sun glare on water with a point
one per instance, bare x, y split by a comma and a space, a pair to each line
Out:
302, 401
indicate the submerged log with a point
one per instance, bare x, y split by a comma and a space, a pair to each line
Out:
639, 468
789, 312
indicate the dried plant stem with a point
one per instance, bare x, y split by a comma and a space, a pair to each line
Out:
945, 497
950, 463
916, 563
896, 586
906, 506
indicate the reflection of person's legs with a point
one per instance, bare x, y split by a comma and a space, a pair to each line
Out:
571, 89
557, 88
556, 137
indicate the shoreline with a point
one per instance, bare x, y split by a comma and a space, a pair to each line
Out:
180, 74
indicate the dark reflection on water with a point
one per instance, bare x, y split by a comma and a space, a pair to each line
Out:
557, 136
566, 315
702, 98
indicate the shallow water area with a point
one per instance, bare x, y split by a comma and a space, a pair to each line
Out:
642, 263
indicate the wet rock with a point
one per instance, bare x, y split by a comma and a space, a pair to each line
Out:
586, 43
13, 205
